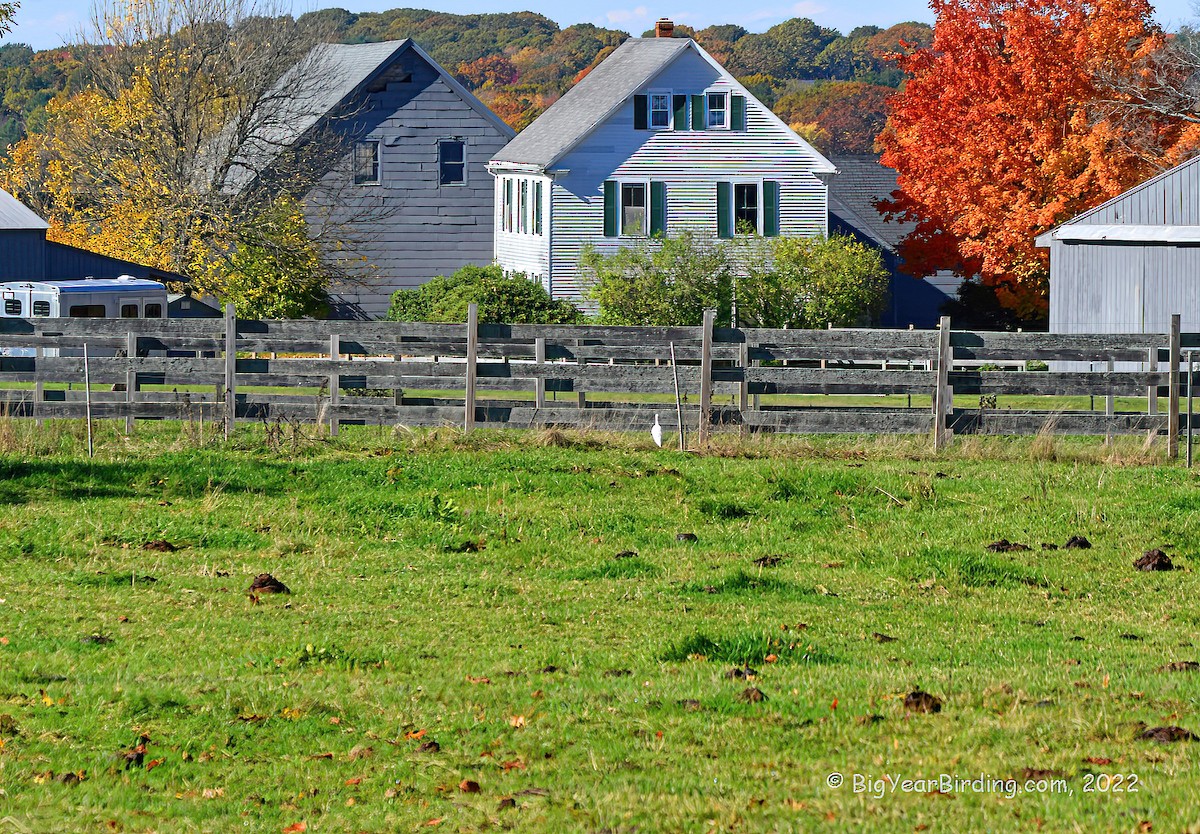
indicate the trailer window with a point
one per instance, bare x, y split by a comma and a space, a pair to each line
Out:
12, 306
153, 311
41, 308
87, 311
129, 311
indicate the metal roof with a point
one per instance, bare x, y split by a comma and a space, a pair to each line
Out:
315, 86
1126, 234
860, 183
83, 285
16, 216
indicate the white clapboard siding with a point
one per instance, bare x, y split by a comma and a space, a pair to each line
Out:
524, 251
690, 163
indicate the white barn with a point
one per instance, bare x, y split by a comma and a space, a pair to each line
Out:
1126, 266
656, 140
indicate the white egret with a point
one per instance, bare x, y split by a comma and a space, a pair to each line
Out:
656, 431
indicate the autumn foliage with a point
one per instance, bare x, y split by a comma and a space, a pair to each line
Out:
996, 136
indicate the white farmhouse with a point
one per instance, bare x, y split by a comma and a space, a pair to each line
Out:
656, 140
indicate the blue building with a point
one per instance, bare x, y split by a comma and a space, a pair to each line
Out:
26, 255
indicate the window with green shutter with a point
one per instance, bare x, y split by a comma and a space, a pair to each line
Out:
641, 112
679, 105
737, 112
610, 208
698, 118
770, 209
724, 211
658, 208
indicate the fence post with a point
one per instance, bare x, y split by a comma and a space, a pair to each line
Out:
706, 385
335, 383
1110, 401
1152, 390
1173, 392
130, 378
472, 354
941, 384
230, 369
39, 387
744, 388
539, 384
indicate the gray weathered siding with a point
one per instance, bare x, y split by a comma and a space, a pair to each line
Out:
1167, 200
409, 228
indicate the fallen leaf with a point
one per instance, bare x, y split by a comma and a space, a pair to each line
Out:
473, 679
321, 756
515, 764
433, 822
213, 793
1098, 760
417, 734
153, 763
771, 658
296, 828
517, 721
360, 752
357, 780
468, 786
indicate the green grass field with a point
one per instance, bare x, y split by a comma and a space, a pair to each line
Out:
504, 631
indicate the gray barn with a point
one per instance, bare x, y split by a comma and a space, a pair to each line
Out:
1127, 265
413, 198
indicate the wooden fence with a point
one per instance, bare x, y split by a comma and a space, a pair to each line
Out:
497, 375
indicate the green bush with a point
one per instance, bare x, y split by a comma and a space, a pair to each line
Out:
502, 298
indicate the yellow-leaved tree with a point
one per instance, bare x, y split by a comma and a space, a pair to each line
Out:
171, 156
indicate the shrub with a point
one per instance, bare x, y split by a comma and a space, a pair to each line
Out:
508, 298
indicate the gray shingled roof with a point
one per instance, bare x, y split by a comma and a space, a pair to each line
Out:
591, 101
316, 86
860, 182
16, 216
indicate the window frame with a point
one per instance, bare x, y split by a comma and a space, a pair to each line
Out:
150, 307
377, 163
13, 307
760, 195
462, 143
34, 310
644, 184
668, 112
724, 109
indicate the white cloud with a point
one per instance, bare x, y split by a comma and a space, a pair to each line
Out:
621, 16
805, 8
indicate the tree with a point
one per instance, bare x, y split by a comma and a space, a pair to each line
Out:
8, 10
279, 273
668, 281
847, 114
786, 50
508, 299
996, 137
171, 156
810, 282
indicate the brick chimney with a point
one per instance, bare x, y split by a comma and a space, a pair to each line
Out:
664, 28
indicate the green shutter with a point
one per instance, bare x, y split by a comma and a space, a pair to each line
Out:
738, 112
658, 208
679, 105
770, 209
641, 112
610, 208
724, 213
698, 113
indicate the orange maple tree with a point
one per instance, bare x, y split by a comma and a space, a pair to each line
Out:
996, 137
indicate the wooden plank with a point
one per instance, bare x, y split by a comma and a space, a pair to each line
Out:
706, 374
840, 421
1076, 347
39, 387
773, 380
744, 386
471, 368
1005, 422
1152, 390
1081, 383
1173, 391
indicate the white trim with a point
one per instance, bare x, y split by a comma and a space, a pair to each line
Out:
650, 94
378, 143
734, 182
723, 93
1084, 232
621, 183
462, 140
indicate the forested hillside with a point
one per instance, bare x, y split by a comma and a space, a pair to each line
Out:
829, 86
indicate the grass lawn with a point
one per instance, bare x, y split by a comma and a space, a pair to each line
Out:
505, 631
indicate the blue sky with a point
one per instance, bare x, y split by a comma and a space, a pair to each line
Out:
48, 23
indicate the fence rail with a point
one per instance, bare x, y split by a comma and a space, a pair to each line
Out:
488, 375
